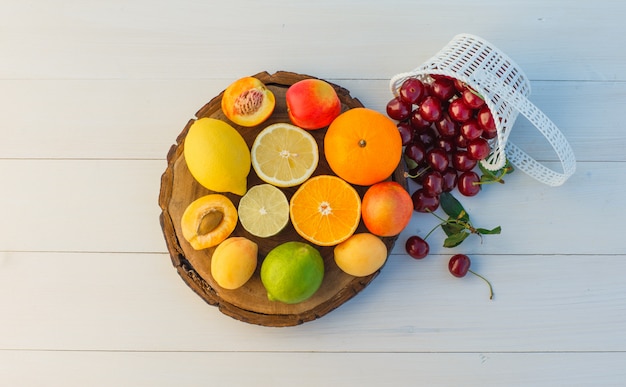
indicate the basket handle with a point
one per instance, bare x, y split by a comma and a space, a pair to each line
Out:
545, 126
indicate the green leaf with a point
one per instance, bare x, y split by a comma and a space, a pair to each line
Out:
453, 207
410, 164
508, 167
487, 179
485, 231
455, 239
452, 228
490, 174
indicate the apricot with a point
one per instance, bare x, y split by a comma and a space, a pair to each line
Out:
386, 208
248, 102
208, 221
312, 103
233, 262
361, 254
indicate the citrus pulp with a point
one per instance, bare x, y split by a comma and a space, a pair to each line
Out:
325, 210
264, 210
284, 155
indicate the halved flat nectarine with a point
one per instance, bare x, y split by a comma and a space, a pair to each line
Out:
248, 102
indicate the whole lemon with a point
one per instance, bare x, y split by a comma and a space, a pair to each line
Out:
292, 272
217, 156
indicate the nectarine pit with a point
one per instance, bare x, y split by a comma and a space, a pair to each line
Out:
249, 102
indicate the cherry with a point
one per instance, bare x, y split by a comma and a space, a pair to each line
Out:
427, 138
417, 247
460, 141
462, 161
440, 76
422, 202
459, 111
450, 178
430, 109
446, 127
443, 88
446, 144
412, 91
437, 158
468, 183
460, 85
459, 266
472, 99
478, 149
489, 134
485, 119
470, 129
406, 132
415, 152
432, 183
418, 122
397, 109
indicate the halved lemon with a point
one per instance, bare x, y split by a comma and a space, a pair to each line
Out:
284, 155
263, 210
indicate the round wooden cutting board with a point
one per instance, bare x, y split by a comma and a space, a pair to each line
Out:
249, 303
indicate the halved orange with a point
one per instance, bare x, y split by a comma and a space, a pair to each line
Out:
325, 210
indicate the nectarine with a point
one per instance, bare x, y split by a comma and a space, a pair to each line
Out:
386, 208
312, 103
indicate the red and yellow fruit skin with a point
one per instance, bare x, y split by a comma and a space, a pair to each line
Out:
312, 104
248, 102
386, 208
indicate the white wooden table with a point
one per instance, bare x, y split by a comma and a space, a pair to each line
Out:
92, 95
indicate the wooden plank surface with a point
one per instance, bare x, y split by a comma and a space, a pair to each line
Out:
93, 95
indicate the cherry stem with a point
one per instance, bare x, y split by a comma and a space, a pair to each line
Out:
495, 179
466, 225
484, 279
418, 174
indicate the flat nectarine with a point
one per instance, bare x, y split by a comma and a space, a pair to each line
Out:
248, 102
312, 103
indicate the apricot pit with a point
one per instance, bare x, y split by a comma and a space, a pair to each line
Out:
208, 221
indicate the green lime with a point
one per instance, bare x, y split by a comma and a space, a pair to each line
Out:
292, 272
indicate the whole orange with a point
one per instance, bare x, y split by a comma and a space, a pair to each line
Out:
386, 208
363, 146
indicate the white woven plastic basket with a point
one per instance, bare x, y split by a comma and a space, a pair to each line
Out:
505, 89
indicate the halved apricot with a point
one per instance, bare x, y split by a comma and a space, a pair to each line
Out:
208, 221
248, 102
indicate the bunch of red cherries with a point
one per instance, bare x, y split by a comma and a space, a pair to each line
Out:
445, 127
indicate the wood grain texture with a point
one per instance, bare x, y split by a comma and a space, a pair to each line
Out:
249, 303
303, 368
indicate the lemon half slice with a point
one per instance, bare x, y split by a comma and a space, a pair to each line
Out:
284, 155
263, 210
